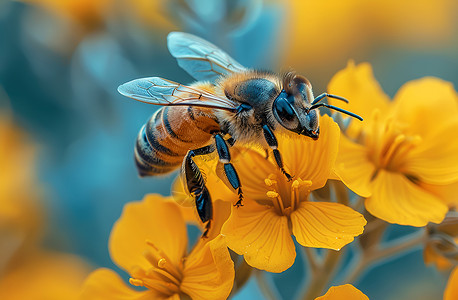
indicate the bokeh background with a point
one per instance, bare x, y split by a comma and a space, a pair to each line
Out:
62, 60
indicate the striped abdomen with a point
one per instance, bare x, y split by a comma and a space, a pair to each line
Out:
164, 140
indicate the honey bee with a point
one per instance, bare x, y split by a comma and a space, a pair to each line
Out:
228, 104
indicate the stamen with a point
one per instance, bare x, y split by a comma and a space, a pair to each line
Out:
270, 182
276, 201
272, 194
305, 183
295, 194
163, 273
136, 282
161, 263
411, 142
158, 258
295, 189
161, 286
398, 141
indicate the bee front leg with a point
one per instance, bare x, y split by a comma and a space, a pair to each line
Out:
273, 144
229, 170
195, 183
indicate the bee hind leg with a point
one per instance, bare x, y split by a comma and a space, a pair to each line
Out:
229, 170
273, 144
195, 184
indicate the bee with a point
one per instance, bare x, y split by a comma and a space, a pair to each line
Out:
228, 104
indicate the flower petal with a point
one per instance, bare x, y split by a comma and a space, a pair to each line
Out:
358, 85
209, 271
353, 167
42, 275
312, 160
426, 105
253, 169
326, 224
152, 219
217, 187
262, 236
343, 292
447, 192
451, 291
435, 159
105, 284
396, 199
221, 212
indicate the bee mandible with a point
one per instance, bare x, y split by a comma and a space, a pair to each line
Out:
228, 104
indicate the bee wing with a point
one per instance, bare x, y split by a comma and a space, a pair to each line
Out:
159, 91
201, 59
180, 194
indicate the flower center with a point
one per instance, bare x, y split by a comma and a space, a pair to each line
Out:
286, 195
388, 145
163, 276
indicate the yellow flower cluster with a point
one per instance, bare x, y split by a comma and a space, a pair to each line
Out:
402, 160
27, 271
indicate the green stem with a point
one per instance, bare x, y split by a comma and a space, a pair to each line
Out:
376, 253
264, 286
324, 274
313, 260
359, 204
242, 275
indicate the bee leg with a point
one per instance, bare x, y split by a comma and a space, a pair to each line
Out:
231, 141
229, 170
195, 184
207, 229
273, 144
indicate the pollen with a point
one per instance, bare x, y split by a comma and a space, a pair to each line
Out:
136, 282
269, 182
301, 183
161, 266
161, 263
272, 194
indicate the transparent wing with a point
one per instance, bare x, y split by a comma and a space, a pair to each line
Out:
159, 91
201, 59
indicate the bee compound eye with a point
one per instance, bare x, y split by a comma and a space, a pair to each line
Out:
285, 114
312, 120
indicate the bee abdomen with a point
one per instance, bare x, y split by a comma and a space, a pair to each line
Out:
153, 154
164, 140
151, 157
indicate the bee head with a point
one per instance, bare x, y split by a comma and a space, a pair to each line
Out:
291, 108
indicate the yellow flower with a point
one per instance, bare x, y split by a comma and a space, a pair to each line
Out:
20, 214
343, 292
451, 291
274, 209
405, 152
22, 262
44, 276
314, 29
87, 13
155, 14
149, 241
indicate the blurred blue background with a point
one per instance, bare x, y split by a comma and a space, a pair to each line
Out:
61, 63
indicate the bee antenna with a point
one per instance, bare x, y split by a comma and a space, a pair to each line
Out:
338, 109
324, 95
287, 80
